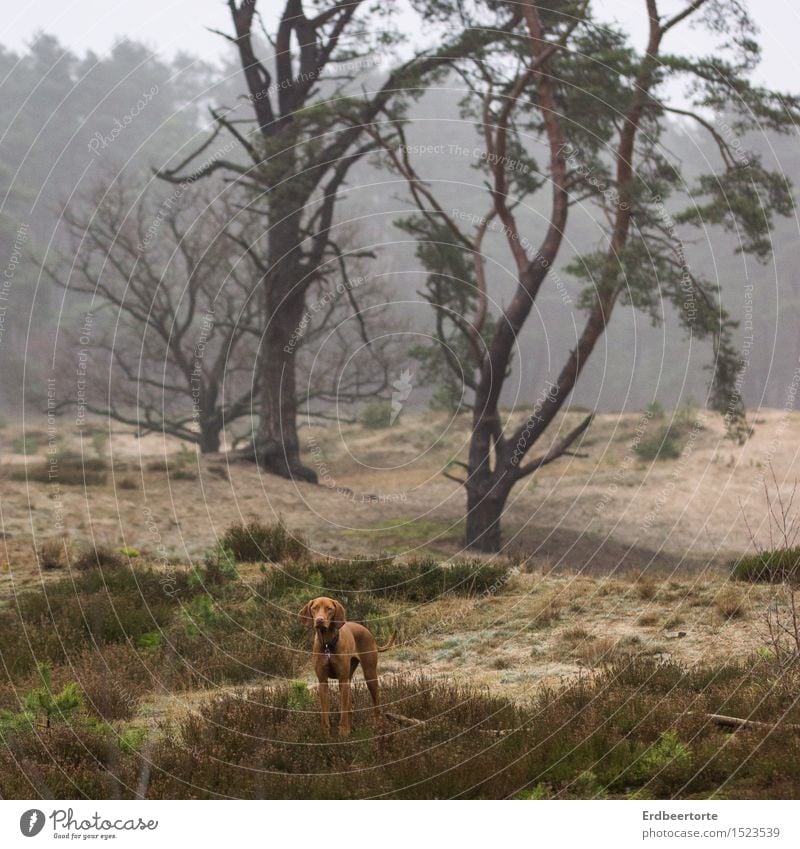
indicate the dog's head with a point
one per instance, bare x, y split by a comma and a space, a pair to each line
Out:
322, 613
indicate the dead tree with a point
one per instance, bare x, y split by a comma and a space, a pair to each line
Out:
171, 346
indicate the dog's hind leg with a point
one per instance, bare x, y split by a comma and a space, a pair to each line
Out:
369, 663
324, 705
345, 707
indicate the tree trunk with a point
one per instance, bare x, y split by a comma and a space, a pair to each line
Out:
483, 519
276, 446
209, 437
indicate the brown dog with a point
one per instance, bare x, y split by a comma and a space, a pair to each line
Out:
339, 647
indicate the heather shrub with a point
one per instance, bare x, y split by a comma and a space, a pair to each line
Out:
376, 414
66, 763
98, 556
637, 728
102, 606
255, 542
666, 443
416, 581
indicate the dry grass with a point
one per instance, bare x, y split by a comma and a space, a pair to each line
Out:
413, 508
646, 589
731, 602
595, 650
571, 637
648, 620
546, 609
634, 729
468, 628
56, 554
562, 651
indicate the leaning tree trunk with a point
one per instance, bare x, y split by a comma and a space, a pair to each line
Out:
488, 486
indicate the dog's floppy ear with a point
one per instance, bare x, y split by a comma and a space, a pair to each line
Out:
339, 616
305, 616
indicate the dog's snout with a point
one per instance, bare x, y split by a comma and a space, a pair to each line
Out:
320, 620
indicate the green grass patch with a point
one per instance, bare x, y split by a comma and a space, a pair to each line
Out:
666, 443
27, 444
66, 470
376, 414
773, 567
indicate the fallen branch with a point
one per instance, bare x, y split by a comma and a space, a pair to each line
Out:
411, 722
403, 720
736, 723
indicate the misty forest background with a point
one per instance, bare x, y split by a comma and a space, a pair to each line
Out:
59, 144
637, 636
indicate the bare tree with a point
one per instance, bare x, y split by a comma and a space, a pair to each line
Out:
298, 149
598, 107
174, 342
171, 295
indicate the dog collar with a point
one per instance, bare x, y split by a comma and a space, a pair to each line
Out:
329, 646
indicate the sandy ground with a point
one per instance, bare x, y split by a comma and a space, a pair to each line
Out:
619, 555
543, 630
382, 490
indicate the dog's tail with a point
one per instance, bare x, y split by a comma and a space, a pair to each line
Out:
389, 644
